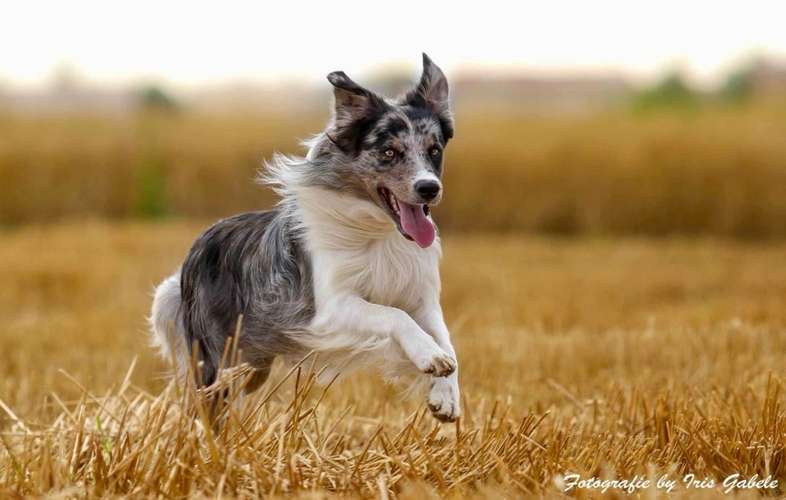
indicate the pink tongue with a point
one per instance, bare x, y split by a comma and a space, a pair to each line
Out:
416, 225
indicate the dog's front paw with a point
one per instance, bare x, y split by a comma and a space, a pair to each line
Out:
439, 364
443, 401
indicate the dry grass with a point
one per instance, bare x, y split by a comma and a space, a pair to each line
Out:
712, 171
600, 357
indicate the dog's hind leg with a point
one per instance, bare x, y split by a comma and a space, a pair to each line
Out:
236, 400
261, 373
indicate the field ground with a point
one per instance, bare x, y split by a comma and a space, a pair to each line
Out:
605, 357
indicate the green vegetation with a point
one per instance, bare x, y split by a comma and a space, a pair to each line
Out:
671, 93
155, 98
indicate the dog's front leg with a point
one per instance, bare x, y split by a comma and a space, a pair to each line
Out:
444, 399
349, 320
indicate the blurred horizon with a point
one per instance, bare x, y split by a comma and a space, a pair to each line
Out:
76, 72
576, 91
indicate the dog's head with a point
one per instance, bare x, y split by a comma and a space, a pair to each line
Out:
390, 151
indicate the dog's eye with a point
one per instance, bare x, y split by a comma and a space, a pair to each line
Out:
434, 152
390, 153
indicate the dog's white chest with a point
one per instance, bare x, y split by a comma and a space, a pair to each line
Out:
390, 271
396, 272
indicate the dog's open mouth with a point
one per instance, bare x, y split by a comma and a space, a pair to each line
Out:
411, 220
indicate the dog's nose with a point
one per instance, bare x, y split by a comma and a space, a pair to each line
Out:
428, 190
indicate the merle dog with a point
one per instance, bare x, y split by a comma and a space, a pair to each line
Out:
347, 262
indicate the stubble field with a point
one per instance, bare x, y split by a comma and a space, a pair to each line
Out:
600, 357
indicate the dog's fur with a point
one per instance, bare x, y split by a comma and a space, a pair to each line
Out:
332, 268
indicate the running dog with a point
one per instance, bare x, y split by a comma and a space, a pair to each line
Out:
347, 263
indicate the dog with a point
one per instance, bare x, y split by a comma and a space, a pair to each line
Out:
346, 264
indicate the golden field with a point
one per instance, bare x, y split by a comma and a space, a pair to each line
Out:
602, 357
715, 170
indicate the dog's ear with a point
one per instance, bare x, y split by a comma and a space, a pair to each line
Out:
432, 93
355, 109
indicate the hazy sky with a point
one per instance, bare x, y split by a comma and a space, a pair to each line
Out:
207, 42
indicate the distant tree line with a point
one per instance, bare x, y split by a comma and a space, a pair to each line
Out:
674, 91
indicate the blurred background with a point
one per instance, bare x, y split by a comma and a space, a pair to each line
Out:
612, 118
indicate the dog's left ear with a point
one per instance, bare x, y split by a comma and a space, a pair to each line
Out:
432, 93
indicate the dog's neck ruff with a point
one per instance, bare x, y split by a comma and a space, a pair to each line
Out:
342, 221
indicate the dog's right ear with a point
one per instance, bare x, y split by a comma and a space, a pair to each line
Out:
355, 108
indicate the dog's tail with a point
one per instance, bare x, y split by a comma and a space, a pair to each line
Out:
166, 326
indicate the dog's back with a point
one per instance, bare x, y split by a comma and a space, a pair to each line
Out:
250, 264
